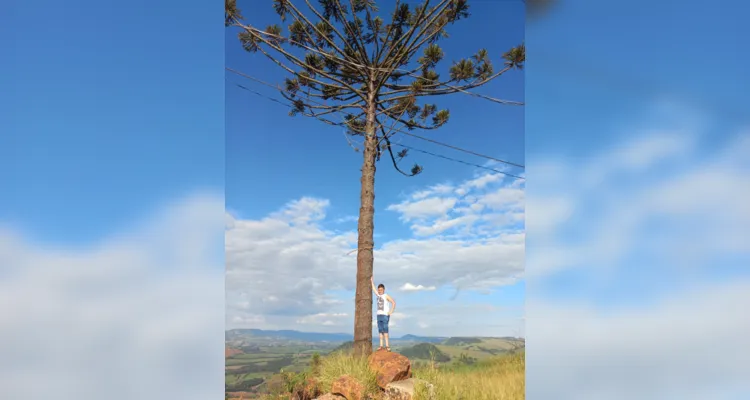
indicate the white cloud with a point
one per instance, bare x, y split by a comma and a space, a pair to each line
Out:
408, 287
687, 346
487, 204
482, 181
504, 198
663, 219
134, 316
426, 207
698, 201
326, 319
644, 152
303, 211
439, 189
441, 225
310, 269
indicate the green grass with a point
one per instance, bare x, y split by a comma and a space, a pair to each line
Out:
235, 379
324, 371
246, 359
461, 341
481, 376
259, 356
342, 363
497, 378
425, 351
455, 352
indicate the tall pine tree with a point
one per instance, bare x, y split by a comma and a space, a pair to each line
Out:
344, 59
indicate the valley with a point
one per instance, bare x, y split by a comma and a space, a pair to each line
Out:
256, 358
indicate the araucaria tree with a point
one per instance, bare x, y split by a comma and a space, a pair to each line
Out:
349, 67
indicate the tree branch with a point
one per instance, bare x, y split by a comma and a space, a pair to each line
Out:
314, 26
450, 89
301, 64
345, 22
395, 164
329, 108
391, 60
415, 171
409, 33
411, 124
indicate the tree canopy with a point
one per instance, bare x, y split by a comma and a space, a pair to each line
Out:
341, 56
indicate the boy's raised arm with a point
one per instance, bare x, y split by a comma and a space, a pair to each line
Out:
372, 283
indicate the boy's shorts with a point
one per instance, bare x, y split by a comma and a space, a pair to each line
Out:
383, 323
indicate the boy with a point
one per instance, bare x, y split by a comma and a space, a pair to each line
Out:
386, 306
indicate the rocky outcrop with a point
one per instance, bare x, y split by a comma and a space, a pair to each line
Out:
404, 390
389, 367
309, 390
349, 388
393, 375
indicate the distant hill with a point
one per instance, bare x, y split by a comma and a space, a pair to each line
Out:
425, 351
422, 339
346, 346
292, 335
289, 334
460, 341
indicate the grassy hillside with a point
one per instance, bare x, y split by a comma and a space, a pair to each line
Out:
251, 373
496, 378
460, 341
343, 347
425, 351
259, 365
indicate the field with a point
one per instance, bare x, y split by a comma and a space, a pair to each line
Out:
255, 363
494, 378
250, 373
499, 377
481, 350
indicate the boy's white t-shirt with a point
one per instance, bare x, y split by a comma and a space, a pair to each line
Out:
384, 306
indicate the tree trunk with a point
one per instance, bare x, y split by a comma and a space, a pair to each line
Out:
365, 243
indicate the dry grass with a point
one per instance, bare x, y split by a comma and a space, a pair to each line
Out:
499, 378
342, 363
329, 369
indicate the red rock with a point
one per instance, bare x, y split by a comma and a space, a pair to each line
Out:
405, 390
389, 367
306, 391
312, 389
349, 388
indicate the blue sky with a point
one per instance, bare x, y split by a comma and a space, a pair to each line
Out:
586, 63
261, 137
598, 96
273, 159
111, 199
107, 121
636, 254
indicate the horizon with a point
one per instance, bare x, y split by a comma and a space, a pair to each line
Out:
375, 338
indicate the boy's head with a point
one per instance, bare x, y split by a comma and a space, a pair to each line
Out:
381, 289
